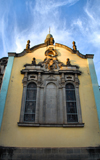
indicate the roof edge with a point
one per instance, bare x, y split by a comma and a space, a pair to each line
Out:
25, 51
75, 52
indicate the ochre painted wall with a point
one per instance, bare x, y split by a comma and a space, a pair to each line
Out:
12, 135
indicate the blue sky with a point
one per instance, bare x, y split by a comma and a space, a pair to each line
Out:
69, 20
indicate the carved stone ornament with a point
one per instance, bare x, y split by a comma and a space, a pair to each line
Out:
28, 44
51, 62
68, 62
74, 46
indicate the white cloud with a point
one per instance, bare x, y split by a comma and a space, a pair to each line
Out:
3, 33
93, 16
44, 14
84, 29
44, 6
79, 24
41, 23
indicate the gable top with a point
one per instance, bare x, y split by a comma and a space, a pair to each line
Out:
49, 41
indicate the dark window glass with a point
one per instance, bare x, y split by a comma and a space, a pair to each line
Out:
31, 94
32, 85
29, 117
30, 105
71, 103
72, 118
70, 94
69, 86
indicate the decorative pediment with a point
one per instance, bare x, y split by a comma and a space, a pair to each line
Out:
49, 41
51, 64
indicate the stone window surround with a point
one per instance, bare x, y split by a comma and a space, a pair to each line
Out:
37, 124
78, 105
28, 89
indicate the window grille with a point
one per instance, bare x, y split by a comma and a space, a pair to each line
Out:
71, 103
30, 104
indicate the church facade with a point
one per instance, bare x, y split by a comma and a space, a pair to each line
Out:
50, 104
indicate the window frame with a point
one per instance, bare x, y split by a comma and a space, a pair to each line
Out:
23, 103
30, 100
71, 101
62, 87
78, 105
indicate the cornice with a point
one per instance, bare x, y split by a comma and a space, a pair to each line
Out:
3, 58
75, 52
13, 54
25, 51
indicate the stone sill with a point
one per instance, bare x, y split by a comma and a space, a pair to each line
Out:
29, 124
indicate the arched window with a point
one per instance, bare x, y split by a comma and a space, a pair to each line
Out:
71, 103
30, 105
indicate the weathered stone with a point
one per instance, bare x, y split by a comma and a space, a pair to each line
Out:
11, 153
47, 150
54, 150
69, 150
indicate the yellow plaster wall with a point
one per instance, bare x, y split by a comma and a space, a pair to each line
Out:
12, 135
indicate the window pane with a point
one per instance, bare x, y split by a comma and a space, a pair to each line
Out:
71, 107
31, 94
29, 117
30, 102
70, 95
31, 85
69, 86
30, 106
72, 118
